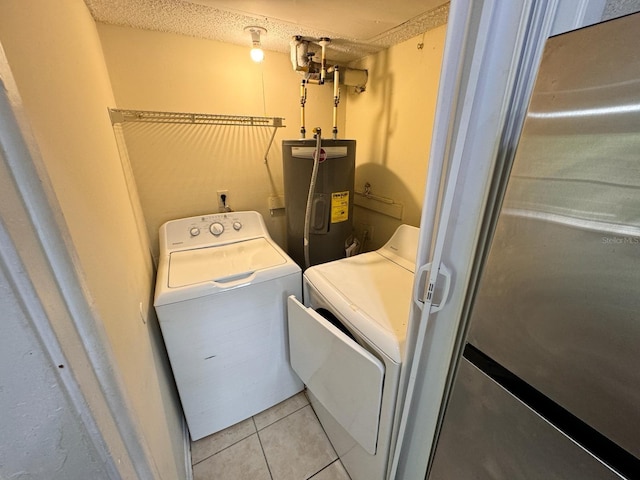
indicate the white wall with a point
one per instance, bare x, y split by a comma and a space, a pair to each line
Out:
52, 445
179, 168
36, 443
392, 123
55, 55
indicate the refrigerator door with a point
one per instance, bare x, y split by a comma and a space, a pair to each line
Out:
490, 435
559, 300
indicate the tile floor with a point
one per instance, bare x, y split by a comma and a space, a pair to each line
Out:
285, 442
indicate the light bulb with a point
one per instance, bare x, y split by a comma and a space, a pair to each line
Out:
257, 54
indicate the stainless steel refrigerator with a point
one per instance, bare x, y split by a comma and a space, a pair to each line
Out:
548, 386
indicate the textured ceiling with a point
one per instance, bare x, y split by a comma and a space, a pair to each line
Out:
356, 27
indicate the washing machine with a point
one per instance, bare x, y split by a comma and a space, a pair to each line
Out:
220, 297
347, 344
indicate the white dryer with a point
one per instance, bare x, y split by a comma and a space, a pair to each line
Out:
347, 345
220, 297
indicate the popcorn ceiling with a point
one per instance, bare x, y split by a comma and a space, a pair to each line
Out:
204, 21
618, 8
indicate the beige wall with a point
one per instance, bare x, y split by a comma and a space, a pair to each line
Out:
55, 54
392, 122
179, 168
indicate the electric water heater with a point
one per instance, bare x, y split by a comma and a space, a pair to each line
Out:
331, 225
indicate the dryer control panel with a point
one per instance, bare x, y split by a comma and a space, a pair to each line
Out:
213, 229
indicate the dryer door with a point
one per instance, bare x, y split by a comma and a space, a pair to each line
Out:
342, 375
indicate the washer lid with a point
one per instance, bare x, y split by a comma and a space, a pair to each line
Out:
222, 263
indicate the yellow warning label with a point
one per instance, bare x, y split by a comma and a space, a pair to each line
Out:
339, 207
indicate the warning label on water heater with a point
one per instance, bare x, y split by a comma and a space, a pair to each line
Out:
339, 207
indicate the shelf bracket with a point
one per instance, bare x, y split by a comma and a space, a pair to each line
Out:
266, 154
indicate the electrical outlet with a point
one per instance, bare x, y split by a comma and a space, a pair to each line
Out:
222, 204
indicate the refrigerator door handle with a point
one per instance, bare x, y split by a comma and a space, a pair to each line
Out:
425, 286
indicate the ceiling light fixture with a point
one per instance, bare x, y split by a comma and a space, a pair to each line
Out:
257, 54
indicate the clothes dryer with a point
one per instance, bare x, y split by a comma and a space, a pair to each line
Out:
347, 345
220, 297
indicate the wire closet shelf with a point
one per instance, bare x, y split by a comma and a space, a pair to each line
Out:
122, 116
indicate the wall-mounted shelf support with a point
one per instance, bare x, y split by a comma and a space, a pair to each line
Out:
273, 135
122, 116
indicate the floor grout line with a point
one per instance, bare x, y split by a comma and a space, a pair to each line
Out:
323, 468
257, 433
228, 446
282, 418
247, 436
264, 454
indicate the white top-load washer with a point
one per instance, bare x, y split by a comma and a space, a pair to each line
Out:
347, 345
221, 297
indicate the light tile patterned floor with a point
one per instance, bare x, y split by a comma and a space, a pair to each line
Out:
285, 442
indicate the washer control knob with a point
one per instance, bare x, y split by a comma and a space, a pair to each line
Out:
237, 226
216, 228
194, 231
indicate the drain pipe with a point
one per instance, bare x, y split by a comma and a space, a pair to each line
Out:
312, 187
336, 100
303, 101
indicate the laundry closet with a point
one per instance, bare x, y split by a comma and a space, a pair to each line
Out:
113, 183
84, 194
389, 118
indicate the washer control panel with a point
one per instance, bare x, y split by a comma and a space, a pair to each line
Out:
204, 230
